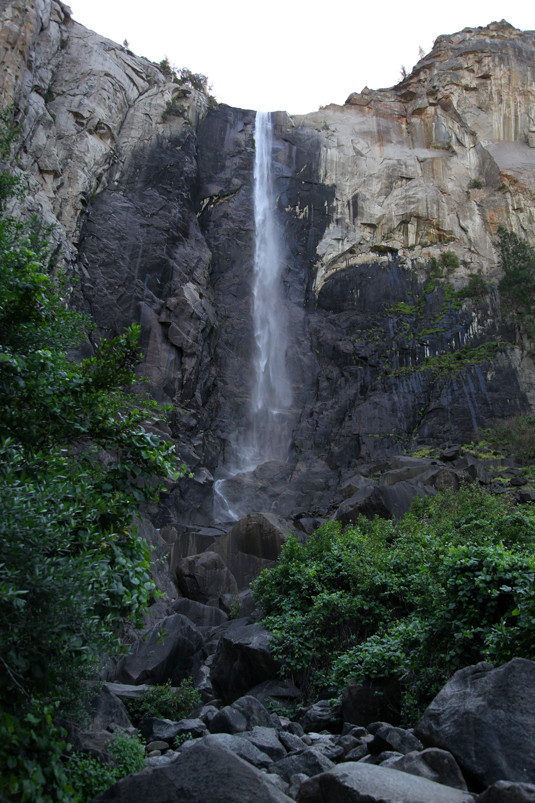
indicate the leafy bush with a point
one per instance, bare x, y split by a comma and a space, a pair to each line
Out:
452, 583
194, 79
31, 749
476, 287
446, 263
89, 775
165, 701
513, 436
517, 286
76, 460
174, 109
475, 184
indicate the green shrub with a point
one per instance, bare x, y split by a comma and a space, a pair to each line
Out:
31, 749
517, 286
475, 184
514, 437
174, 109
76, 461
446, 263
165, 701
452, 583
89, 775
476, 287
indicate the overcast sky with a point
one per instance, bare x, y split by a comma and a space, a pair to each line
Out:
291, 54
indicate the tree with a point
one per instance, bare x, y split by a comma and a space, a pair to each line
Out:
76, 460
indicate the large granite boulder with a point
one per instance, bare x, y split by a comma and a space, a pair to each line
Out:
201, 615
435, 764
171, 650
507, 792
242, 660
254, 543
204, 578
367, 783
485, 718
201, 773
386, 501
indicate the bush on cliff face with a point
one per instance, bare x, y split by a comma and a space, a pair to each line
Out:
451, 584
75, 462
517, 286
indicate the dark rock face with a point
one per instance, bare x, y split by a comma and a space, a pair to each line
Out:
169, 242
483, 716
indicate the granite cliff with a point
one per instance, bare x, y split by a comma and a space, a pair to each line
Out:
390, 206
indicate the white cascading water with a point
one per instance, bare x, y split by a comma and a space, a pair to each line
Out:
266, 434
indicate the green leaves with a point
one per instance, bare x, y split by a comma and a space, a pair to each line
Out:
165, 701
76, 458
451, 584
517, 286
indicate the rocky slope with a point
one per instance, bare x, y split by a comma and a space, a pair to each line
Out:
154, 215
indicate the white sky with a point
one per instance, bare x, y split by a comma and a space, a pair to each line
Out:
291, 54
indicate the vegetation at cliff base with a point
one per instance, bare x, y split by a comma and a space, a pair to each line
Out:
76, 460
451, 584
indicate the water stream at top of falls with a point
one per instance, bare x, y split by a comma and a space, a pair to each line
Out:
264, 435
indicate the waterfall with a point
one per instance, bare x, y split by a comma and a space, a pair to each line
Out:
264, 434
271, 393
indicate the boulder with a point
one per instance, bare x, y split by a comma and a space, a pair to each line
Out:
366, 702
321, 716
201, 615
202, 772
243, 748
292, 742
228, 720
367, 783
254, 543
485, 718
170, 651
154, 728
254, 712
107, 712
266, 740
242, 660
204, 578
282, 692
507, 792
435, 764
261, 534
238, 605
309, 762
386, 501
387, 737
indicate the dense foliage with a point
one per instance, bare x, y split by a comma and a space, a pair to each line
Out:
517, 286
451, 584
88, 775
165, 702
76, 460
